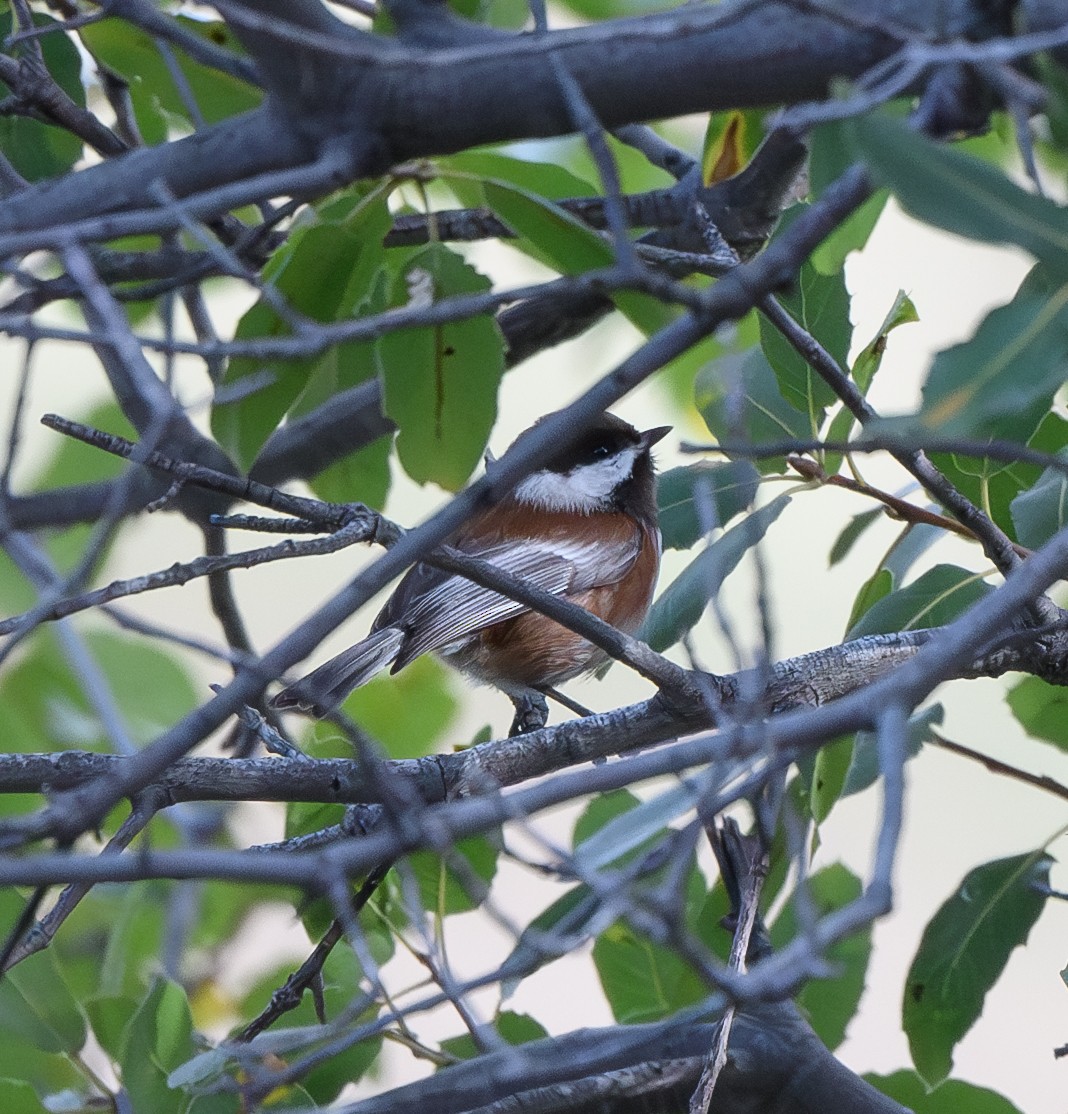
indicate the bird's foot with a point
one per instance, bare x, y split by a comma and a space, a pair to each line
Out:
531, 712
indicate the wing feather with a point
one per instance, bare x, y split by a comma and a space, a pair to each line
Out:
456, 608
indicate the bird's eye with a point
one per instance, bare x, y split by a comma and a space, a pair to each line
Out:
599, 452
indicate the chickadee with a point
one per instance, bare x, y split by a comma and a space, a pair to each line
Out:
583, 527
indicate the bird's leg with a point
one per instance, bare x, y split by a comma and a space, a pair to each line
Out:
531, 712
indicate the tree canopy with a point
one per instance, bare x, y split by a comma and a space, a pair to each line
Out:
314, 256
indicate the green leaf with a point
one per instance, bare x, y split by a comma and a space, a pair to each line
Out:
1002, 381
830, 770
38, 150
738, 398
1041, 709
440, 383
158, 1038
635, 828
465, 171
820, 305
327, 272
830, 1003
133, 53
513, 1028
994, 485
851, 534
555, 932
731, 140
902, 312
1042, 510
410, 712
37, 1007
642, 980
963, 951
682, 604
951, 1097
17, 1097
851, 235
444, 890
570, 246
109, 1017
960, 193
702, 496
934, 599
864, 765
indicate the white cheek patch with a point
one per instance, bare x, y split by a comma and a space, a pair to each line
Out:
585, 489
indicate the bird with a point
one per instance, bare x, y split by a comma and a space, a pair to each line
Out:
583, 527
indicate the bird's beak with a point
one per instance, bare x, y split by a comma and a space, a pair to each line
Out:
651, 436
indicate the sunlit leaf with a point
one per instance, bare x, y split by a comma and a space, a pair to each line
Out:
830, 1003
1041, 709
902, 312
963, 951
731, 140
440, 382
951, 1097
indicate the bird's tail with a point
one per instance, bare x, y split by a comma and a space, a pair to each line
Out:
324, 688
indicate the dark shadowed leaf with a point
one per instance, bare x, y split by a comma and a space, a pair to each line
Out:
1040, 511
851, 534
563, 926
820, 305
440, 383
936, 598
864, 765
1001, 382
1042, 710
959, 192
739, 398
963, 951
681, 606
951, 1097
830, 1003
701, 497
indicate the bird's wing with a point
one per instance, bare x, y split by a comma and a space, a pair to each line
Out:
442, 609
